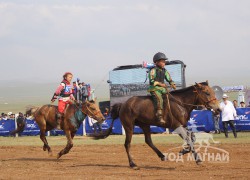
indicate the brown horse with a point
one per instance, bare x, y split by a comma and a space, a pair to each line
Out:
45, 117
139, 110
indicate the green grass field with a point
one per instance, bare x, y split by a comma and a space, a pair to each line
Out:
243, 137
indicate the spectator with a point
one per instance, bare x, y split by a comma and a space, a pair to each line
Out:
248, 104
95, 124
216, 119
242, 104
12, 116
228, 114
2, 114
84, 92
20, 124
5, 117
75, 89
235, 103
106, 113
79, 93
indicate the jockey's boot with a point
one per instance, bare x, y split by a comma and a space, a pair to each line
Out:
159, 116
59, 117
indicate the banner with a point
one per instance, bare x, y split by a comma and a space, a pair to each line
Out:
201, 121
242, 121
90, 123
6, 126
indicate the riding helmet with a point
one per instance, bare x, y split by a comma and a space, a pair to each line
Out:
159, 56
65, 74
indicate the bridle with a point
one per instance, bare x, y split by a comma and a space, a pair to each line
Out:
87, 110
206, 102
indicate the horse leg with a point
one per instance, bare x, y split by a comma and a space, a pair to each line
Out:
68, 146
45, 145
148, 140
129, 133
183, 133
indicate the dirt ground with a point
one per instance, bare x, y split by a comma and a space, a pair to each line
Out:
110, 162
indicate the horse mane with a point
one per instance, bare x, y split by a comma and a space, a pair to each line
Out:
188, 88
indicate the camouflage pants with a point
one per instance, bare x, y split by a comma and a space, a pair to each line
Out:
157, 98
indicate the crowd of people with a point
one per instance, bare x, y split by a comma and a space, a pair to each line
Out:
81, 91
11, 116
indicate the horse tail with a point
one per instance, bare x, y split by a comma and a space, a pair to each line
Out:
19, 129
115, 110
114, 115
31, 110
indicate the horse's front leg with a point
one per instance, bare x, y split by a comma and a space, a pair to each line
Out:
43, 138
183, 133
68, 146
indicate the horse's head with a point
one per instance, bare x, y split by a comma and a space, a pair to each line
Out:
92, 110
206, 96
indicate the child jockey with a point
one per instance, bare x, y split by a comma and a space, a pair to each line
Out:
64, 92
157, 86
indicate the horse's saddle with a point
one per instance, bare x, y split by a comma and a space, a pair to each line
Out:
77, 118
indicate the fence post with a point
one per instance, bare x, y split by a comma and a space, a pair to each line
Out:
16, 126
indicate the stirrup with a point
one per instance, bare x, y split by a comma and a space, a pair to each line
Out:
161, 120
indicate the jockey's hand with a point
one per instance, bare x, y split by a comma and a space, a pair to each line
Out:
163, 85
173, 86
53, 100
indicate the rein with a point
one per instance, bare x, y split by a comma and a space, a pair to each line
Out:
193, 105
198, 95
88, 110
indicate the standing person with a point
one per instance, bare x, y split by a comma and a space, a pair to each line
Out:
216, 119
248, 104
242, 104
228, 114
75, 90
20, 121
106, 113
64, 94
157, 87
84, 92
235, 103
79, 93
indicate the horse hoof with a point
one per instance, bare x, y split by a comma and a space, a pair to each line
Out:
135, 168
199, 162
164, 158
44, 148
58, 156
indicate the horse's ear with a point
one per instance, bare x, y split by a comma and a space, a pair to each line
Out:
198, 85
207, 82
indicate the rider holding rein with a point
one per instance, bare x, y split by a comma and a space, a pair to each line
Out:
157, 87
64, 94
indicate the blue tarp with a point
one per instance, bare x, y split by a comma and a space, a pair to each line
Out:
199, 121
6, 126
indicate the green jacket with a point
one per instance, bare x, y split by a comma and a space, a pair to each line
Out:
156, 76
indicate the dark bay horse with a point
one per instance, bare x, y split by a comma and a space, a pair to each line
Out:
139, 110
45, 117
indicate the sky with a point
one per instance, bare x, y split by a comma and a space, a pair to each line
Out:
40, 40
